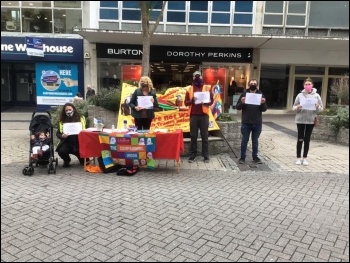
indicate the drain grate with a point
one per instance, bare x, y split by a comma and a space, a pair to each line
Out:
253, 166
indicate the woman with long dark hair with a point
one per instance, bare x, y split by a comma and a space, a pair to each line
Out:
69, 144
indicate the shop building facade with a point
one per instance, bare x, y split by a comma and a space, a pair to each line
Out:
288, 41
52, 24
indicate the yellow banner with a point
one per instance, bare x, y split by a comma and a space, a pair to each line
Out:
169, 119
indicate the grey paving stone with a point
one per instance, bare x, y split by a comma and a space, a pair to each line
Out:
202, 214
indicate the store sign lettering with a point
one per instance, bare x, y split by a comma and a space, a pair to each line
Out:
49, 49
134, 52
203, 54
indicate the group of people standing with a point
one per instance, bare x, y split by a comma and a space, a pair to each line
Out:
304, 119
251, 119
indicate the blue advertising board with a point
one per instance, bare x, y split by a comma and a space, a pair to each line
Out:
54, 49
56, 83
35, 47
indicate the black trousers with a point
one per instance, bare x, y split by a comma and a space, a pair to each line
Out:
200, 122
304, 136
143, 123
65, 149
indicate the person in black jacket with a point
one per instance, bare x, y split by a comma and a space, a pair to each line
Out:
251, 121
143, 116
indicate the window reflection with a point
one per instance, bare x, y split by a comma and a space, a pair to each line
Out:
274, 85
36, 3
10, 19
66, 20
38, 21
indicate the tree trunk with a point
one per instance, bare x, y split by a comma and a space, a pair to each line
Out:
146, 54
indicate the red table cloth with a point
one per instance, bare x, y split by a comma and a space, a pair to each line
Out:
168, 145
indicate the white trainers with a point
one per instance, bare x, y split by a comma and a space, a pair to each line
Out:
305, 162
298, 162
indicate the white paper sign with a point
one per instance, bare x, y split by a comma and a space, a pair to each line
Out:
72, 128
252, 98
202, 97
145, 101
308, 103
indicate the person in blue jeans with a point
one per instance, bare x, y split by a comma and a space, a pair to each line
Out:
251, 120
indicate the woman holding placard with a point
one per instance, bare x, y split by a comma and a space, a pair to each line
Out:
142, 104
71, 122
306, 104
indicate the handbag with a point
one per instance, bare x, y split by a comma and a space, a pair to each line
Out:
316, 121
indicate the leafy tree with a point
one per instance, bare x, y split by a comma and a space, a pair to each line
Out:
148, 29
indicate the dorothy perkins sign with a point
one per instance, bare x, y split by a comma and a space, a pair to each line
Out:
176, 54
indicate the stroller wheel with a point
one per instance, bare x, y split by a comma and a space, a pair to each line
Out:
30, 171
25, 170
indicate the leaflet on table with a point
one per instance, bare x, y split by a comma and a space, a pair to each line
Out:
72, 128
202, 97
308, 103
145, 102
252, 98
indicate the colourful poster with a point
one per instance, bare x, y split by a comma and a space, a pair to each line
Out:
129, 150
56, 83
171, 117
216, 78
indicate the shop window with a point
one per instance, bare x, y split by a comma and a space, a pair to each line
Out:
66, 20
338, 71
198, 12
10, 3
274, 85
176, 11
10, 20
296, 13
329, 14
37, 20
34, 4
67, 4
221, 12
109, 14
243, 13
274, 13
306, 70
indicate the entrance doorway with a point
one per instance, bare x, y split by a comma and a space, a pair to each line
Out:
25, 84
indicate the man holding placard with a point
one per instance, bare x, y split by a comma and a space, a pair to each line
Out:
199, 98
252, 103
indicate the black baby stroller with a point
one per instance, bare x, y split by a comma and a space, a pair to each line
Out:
41, 123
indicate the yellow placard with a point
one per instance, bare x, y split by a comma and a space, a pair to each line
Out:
169, 119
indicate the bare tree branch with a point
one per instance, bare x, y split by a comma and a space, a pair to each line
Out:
158, 19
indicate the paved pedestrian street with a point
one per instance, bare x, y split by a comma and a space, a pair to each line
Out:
216, 212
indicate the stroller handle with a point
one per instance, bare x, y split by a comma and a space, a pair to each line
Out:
42, 111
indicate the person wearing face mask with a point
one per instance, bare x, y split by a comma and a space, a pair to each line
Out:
143, 116
199, 117
304, 119
69, 144
251, 121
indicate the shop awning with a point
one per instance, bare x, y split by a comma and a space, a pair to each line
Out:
229, 41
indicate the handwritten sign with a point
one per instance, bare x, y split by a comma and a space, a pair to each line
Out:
252, 98
145, 102
202, 97
72, 128
308, 103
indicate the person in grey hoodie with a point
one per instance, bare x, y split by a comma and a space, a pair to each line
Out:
305, 117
